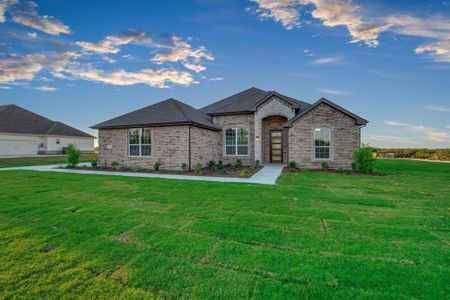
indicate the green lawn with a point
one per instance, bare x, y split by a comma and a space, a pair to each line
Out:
313, 235
44, 160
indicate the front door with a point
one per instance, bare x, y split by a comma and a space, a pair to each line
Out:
276, 146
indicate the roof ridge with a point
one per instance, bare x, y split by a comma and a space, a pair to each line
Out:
176, 103
52, 127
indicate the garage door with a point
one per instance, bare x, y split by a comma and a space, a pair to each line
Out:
11, 147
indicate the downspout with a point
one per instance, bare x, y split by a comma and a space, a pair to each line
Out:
189, 147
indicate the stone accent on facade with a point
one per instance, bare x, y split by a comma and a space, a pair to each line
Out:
204, 146
345, 136
272, 107
235, 121
169, 145
269, 124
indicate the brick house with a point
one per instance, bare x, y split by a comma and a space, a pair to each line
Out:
251, 125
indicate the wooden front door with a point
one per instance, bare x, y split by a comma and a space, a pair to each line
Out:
276, 146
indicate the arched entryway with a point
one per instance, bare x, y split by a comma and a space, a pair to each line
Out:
274, 139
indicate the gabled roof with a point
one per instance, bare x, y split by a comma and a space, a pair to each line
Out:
247, 102
167, 112
15, 119
358, 119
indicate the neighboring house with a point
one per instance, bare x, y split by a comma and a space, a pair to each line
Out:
251, 125
23, 132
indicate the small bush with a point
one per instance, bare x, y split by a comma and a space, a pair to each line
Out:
184, 167
257, 163
292, 165
363, 159
238, 163
223, 172
339, 168
212, 164
115, 164
324, 166
198, 168
94, 163
215, 168
243, 173
73, 155
136, 168
220, 165
232, 168
157, 165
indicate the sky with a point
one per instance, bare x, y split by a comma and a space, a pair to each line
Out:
83, 62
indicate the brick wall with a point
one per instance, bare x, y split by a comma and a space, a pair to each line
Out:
204, 146
169, 145
345, 136
234, 121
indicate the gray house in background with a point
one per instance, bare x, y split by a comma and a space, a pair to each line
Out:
23, 132
251, 125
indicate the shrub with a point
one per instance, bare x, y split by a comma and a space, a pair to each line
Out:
73, 155
224, 172
198, 168
292, 165
212, 164
257, 163
215, 168
220, 165
94, 163
304, 169
363, 160
231, 168
124, 168
115, 164
339, 168
184, 167
324, 166
136, 168
238, 163
157, 165
243, 173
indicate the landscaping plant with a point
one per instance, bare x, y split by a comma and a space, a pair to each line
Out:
243, 173
363, 159
238, 163
184, 167
292, 165
115, 164
157, 165
198, 168
324, 166
73, 155
94, 163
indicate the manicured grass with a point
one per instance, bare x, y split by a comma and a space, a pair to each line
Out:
311, 236
44, 160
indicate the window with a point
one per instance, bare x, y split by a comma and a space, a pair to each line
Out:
322, 141
139, 142
58, 141
236, 141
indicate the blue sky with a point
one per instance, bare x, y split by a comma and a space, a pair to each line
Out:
82, 62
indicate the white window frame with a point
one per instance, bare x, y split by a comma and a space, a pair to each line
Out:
140, 144
317, 129
236, 145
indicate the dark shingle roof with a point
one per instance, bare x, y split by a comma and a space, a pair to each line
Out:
247, 101
15, 119
358, 119
167, 112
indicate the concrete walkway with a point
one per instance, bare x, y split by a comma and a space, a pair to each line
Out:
267, 175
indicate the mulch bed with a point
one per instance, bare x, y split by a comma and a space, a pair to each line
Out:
205, 171
332, 171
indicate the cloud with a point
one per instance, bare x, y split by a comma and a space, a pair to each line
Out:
4, 6
437, 108
361, 26
334, 92
431, 133
183, 52
45, 88
112, 43
327, 60
3, 87
13, 68
26, 14
448, 126
32, 35
332, 13
155, 78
